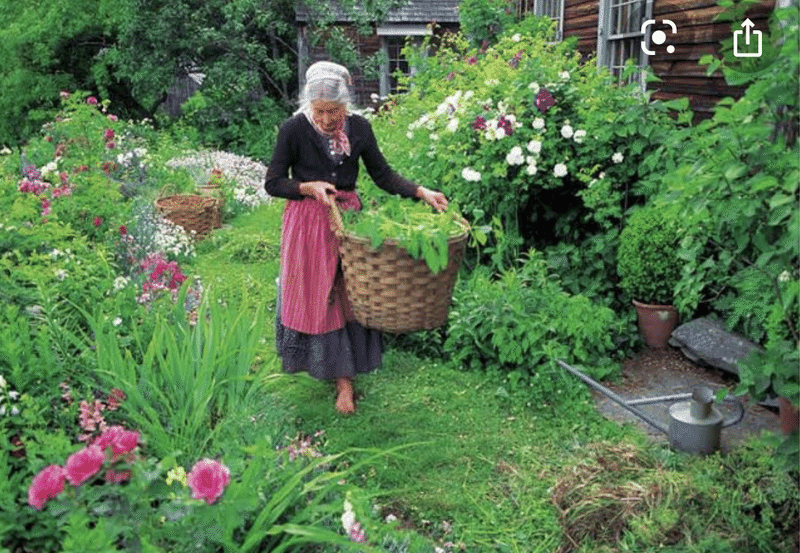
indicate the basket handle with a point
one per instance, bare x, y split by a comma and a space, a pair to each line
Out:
335, 216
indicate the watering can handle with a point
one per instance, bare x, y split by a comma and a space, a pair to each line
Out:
739, 411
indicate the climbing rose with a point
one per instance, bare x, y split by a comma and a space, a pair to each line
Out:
84, 464
46, 485
208, 480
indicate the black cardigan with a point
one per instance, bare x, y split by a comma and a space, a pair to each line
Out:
299, 150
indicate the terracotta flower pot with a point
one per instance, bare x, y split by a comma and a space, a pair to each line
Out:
656, 323
788, 416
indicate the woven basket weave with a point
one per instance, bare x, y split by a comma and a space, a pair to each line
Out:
391, 291
196, 214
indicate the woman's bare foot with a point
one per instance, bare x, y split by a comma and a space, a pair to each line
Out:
345, 403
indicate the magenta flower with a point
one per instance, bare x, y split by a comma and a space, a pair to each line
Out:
208, 479
472, 60
97, 221
84, 464
544, 100
91, 100
46, 485
120, 441
479, 124
506, 125
123, 230
109, 134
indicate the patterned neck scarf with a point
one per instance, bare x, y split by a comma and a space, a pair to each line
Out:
340, 144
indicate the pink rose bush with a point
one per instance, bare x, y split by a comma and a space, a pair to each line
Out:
114, 447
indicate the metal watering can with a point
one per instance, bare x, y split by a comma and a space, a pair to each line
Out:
695, 425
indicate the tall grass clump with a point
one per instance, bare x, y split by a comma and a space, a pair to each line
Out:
195, 368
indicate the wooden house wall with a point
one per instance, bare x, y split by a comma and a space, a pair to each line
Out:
679, 72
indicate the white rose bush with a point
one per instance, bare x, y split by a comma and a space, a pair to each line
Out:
516, 133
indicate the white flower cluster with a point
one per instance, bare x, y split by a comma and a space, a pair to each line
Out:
446, 115
247, 175
470, 175
134, 157
6, 398
172, 239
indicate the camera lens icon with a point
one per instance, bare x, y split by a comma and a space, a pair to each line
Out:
658, 37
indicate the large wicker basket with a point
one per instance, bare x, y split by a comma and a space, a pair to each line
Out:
196, 214
391, 291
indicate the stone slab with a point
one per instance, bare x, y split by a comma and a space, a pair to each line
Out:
706, 341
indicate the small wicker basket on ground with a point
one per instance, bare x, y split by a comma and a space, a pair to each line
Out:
196, 214
391, 291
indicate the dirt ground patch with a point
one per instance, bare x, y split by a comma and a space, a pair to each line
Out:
654, 373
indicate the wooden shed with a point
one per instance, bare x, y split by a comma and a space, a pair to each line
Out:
411, 21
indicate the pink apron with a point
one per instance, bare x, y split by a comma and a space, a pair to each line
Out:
313, 299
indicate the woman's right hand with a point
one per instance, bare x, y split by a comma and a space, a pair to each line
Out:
319, 190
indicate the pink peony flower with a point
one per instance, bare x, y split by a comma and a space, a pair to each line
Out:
84, 464
120, 440
91, 100
109, 134
97, 221
46, 485
208, 479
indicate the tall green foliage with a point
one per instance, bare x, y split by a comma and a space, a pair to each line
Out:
735, 188
192, 371
45, 47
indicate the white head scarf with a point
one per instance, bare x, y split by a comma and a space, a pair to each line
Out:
326, 80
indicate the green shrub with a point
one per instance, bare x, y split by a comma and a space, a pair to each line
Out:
647, 261
521, 322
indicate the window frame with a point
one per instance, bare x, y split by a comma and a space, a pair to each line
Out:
608, 42
395, 32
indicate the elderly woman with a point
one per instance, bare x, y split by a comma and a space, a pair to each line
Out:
315, 163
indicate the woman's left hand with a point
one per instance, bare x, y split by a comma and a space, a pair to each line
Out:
435, 199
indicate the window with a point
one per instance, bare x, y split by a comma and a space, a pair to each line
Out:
551, 8
394, 52
619, 36
393, 40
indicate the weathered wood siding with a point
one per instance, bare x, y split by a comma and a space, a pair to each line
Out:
697, 35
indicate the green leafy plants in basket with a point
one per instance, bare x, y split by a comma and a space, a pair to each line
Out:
412, 226
647, 261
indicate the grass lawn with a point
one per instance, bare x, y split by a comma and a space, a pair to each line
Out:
482, 472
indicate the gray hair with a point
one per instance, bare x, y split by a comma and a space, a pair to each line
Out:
326, 81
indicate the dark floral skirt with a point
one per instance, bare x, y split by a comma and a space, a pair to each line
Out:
342, 353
